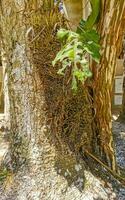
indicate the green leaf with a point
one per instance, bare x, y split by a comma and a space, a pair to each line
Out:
72, 36
61, 71
91, 20
90, 35
77, 47
66, 52
93, 50
81, 26
65, 64
79, 74
62, 34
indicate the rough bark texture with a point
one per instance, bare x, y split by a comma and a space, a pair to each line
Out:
48, 129
47, 125
111, 31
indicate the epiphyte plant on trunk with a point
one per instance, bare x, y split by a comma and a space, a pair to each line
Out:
78, 45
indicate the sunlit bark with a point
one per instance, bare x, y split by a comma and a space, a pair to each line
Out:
45, 133
110, 27
111, 31
47, 123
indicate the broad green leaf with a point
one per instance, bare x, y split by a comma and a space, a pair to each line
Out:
62, 34
93, 50
66, 52
77, 47
91, 35
91, 20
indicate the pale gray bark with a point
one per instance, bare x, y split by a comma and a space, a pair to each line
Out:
48, 169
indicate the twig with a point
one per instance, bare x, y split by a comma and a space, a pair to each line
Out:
115, 175
37, 36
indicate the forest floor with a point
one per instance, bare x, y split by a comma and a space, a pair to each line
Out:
95, 191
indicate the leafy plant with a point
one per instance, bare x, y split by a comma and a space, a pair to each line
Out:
77, 48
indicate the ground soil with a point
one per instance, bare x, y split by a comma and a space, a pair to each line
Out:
96, 189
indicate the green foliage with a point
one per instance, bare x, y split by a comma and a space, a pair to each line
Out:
93, 17
75, 51
78, 47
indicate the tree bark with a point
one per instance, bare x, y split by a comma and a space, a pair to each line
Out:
49, 125
111, 31
46, 119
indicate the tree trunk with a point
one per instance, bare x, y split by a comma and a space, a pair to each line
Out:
111, 31
47, 124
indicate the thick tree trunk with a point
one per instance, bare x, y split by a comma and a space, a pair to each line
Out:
47, 125
111, 30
